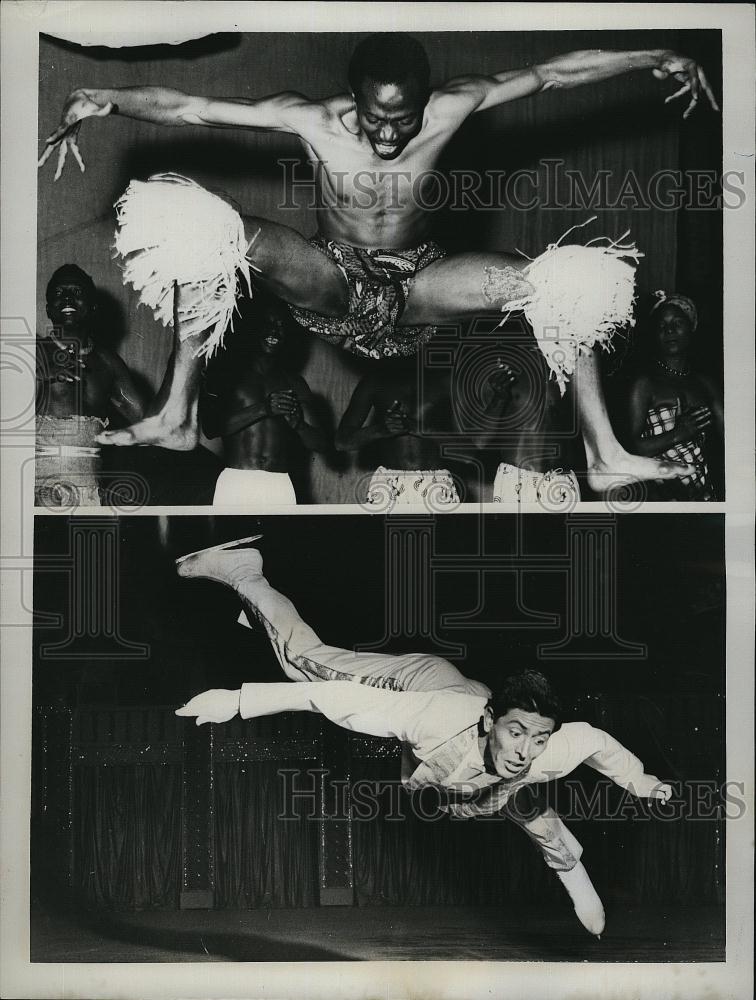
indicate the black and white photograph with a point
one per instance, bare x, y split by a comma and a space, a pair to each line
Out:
453, 750
386, 270
378, 500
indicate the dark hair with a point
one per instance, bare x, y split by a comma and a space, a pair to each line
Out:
241, 339
529, 691
390, 58
254, 312
70, 272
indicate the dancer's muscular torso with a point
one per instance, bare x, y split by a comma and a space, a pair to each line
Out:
71, 383
265, 440
409, 421
367, 201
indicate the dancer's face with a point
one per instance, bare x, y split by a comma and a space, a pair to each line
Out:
70, 305
673, 332
390, 115
516, 739
271, 336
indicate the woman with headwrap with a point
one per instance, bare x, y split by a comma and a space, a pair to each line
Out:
674, 410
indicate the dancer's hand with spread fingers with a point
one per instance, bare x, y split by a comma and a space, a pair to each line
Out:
79, 105
217, 705
690, 75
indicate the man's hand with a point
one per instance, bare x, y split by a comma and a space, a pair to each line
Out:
690, 75
79, 105
661, 793
217, 705
285, 403
397, 420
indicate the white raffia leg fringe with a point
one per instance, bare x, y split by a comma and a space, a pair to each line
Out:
172, 230
582, 295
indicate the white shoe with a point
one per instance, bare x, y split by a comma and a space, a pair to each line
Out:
229, 563
585, 899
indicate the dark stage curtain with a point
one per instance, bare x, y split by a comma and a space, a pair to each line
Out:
260, 859
127, 835
127, 825
402, 858
632, 857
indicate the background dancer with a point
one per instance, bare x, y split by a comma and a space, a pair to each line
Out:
675, 411
264, 413
409, 421
81, 385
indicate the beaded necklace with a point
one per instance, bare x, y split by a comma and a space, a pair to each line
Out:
672, 371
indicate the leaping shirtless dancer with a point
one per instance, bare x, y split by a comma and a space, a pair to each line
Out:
371, 280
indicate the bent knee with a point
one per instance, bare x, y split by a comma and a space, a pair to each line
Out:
337, 300
502, 285
256, 237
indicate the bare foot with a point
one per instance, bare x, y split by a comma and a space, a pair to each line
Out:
624, 468
159, 430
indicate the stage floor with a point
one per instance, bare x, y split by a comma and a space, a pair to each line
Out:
515, 934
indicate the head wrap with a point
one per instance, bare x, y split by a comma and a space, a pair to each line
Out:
686, 306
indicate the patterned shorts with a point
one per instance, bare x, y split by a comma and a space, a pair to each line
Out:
379, 282
555, 490
433, 489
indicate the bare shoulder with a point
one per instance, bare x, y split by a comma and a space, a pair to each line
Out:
301, 107
46, 345
337, 110
109, 359
709, 384
641, 385
452, 102
338, 105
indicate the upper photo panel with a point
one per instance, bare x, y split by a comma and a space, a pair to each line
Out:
405, 272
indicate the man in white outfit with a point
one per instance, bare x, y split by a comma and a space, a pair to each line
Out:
480, 750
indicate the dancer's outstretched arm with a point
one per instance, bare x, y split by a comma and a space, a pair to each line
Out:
423, 719
585, 67
286, 112
578, 742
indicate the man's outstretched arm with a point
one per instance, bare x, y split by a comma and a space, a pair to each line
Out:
590, 66
286, 112
424, 719
580, 743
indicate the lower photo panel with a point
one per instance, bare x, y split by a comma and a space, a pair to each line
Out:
350, 737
